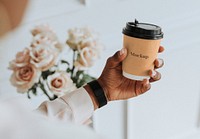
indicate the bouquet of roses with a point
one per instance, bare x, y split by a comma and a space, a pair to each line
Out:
41, 67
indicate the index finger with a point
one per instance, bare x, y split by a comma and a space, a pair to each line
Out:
161, 49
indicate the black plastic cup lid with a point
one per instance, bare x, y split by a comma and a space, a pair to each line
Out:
143, 30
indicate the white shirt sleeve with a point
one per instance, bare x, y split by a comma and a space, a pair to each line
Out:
74, 107
17, 121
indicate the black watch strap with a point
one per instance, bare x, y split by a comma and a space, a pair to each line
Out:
98, 93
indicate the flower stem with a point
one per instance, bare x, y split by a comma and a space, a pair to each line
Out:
73, 62
45, 92
40, 84
28, 95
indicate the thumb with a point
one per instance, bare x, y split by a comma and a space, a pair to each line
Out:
117, 58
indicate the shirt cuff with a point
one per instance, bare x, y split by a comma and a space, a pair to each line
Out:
80, 104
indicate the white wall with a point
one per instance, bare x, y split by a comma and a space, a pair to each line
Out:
171, 108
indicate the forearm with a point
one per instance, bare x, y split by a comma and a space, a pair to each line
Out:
76, 107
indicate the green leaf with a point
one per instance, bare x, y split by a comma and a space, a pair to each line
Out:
28, 94
68, 70
74, 79
65, 62
80, 84
78, 73
34, 91
86, 78
45, 74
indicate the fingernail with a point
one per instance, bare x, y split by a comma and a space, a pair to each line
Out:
153, 73
159, 62
146, 81
148, 87
122, 51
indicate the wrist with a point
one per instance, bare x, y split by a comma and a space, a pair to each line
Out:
104, 89
91, 94
97, 94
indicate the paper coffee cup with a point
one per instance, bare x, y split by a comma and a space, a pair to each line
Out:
142, 41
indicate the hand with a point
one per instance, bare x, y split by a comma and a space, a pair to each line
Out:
117, 87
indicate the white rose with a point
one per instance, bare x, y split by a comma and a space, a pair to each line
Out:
43, 56
94, 44
75, 37
43, 33
41, 39
25, 77
87, 57
44, 30
78, 35
60, 83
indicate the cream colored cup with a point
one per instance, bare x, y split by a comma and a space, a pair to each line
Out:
142, 42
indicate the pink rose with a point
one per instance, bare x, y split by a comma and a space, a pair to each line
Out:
87, 58
43, 56
22, 59
60, 83
25, 77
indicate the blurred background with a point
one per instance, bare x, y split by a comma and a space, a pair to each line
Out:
171, 109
